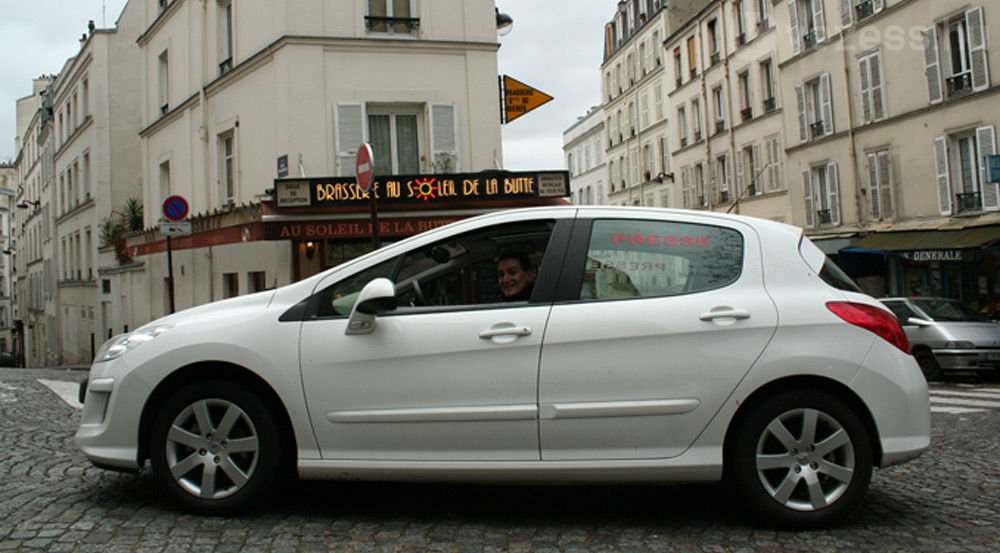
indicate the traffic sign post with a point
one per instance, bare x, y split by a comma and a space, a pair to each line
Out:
175, 209
519, 98
364, 171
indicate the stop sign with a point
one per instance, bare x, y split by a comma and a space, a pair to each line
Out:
364, 167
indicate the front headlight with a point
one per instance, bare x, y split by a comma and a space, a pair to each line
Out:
117, 346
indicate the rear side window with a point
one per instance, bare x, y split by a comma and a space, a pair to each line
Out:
828, 271
641, 259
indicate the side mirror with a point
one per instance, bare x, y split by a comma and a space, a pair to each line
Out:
376, 298
919, 322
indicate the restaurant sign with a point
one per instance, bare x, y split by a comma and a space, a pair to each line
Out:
935, 255
423, 189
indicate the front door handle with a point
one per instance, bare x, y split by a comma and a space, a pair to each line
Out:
505, 330
725, 313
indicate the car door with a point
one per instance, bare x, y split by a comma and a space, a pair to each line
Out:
452, 374
661, 317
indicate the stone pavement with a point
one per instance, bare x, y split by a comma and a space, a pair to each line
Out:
51, 499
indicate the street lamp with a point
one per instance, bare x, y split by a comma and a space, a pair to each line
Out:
505, 23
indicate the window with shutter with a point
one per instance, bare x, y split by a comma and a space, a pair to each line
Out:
350, 126
444, 139
807, 194
833, 189
943, 175
986, 141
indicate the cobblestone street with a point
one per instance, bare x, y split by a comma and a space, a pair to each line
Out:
52, 499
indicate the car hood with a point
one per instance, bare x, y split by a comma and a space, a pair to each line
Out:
258, 300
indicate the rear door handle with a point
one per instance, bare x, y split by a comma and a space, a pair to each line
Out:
725, 313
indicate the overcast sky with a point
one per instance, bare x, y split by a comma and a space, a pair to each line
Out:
555, 46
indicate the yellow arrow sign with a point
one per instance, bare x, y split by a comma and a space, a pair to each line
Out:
519, 98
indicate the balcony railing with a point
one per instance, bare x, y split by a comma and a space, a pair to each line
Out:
809, 40
720, 127
694, 72
225, 66
818, 129
746, 113
823, 217
395, 24
864, 10
716, 57
684, 141
968, 201
724, 197
960, 84
680, 81
697, 136
741, 39
770, 104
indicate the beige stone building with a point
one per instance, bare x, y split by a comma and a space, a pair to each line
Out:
8, 186
724, 97
890, 114
583, 146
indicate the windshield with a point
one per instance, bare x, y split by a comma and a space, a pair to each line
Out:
948, 310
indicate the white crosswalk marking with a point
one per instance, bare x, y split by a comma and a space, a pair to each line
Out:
65, 390
966, 400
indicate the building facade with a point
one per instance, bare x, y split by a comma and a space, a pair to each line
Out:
583, 146
891, 120
8, 177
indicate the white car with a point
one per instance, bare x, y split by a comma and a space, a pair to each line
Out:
655, 346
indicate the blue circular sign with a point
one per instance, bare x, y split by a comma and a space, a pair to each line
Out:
175, 208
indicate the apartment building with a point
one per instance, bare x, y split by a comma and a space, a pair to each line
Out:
724, 97
583, 146
633, 94
8, 177
96, 169
35, 321
891, 118
236, 95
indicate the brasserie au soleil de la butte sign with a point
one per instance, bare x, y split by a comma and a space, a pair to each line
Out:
423, 189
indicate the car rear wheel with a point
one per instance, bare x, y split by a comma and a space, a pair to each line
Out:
928, 364
800, 459
215, 448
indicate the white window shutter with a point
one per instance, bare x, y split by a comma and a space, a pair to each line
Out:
976, 24
885, 182
727, 182
943, 176
793, 17
986, 139
877, 87
800, 96
874, 199
773, 160
444, 139
827, 103
757, 185
932, 66
807, 192
833, 190
864, 71
740, 180
846, 13
350, 122
819, 18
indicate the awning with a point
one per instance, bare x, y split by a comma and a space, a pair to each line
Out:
929, 240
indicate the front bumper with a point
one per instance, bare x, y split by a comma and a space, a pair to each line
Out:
968, 359
112, 400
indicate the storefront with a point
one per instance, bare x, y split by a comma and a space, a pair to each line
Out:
328, 220
961, 264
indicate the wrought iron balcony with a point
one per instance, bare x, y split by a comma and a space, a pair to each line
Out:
746, 113
968, 201
724, 197
809, 40
864, 10
960, 84
716, 57
720, 126
684, 141
394, 24
697, 136
823, 217
770, 104
818, 129
763, 25
741, 39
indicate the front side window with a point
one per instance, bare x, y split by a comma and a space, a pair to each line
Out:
643, 259
490, 266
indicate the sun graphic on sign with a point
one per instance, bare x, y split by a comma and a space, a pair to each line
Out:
427, 189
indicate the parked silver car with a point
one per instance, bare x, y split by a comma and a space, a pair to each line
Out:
947, 335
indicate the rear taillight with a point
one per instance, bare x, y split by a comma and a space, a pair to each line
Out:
872, 319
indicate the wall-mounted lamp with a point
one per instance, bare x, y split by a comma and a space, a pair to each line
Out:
663, 176
310, 250
8, 251
505, 23
24, 204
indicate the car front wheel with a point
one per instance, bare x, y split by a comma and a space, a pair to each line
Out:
800, 459
215, 448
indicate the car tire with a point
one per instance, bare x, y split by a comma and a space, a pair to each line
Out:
215, 448
928, 364
799, 459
